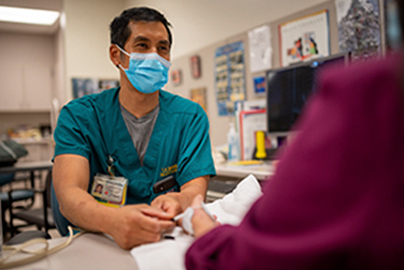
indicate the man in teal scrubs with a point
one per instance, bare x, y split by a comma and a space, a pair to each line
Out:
136, 131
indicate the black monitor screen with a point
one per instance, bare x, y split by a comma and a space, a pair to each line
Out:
289, 88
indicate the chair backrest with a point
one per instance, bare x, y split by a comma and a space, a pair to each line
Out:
6, 178
48, 188
47, 202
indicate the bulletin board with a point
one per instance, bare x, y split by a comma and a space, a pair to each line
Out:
230, 77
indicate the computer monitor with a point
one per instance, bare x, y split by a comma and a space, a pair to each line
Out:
289, 88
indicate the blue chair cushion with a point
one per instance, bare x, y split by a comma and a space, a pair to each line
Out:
17, 195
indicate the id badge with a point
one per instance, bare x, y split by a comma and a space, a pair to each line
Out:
109, 190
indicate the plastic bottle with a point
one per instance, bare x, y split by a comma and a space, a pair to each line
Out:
232, 140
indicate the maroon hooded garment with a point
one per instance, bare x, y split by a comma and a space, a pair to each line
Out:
337, 198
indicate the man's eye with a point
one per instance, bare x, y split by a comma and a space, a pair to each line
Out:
164, 49
141, 45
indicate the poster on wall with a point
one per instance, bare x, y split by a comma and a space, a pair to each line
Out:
305, 38
259, 40
229, 77
359, 28
176, 77
198, 95
86, 86
195, 66
259, 85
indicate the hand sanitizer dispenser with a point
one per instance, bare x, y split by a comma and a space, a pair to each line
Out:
232, 140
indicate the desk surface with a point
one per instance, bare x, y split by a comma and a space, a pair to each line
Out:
88, 251
27, 166
261, 172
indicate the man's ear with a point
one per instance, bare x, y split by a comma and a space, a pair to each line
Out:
115, 55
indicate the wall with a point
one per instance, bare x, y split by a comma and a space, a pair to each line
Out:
201, 23
86, 39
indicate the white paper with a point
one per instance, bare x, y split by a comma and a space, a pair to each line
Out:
260, 49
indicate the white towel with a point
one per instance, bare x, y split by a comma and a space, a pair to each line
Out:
232, 207
169, 254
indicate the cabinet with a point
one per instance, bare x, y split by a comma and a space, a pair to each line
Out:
25, 87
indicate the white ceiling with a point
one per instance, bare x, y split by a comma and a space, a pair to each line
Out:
26, 28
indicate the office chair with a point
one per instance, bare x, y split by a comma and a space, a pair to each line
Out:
40, 217
17, 195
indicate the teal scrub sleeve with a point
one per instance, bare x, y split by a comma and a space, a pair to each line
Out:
195, 149
69, 135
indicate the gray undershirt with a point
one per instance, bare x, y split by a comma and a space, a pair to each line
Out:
140, 129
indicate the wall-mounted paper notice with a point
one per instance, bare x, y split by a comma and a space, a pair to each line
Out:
260, 48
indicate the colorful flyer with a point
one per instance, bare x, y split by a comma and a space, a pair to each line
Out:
305, 38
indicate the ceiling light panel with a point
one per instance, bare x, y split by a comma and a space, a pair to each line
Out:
28, 15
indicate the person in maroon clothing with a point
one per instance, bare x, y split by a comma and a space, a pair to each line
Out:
337, 198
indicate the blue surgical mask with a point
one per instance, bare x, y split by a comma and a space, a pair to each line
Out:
147, 72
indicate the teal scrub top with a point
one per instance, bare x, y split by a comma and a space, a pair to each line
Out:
93, 127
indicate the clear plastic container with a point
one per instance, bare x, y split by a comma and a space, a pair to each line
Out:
232, 140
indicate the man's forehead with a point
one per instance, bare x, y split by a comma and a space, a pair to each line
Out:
147, 24
138, 27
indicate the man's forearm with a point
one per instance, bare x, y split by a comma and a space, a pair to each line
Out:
71, 180
84, 211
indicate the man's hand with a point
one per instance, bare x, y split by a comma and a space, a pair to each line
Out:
138, 224
176, 202
169, 203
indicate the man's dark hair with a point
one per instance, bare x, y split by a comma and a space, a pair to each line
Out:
120, 32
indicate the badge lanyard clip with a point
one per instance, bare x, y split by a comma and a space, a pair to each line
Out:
111, 167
